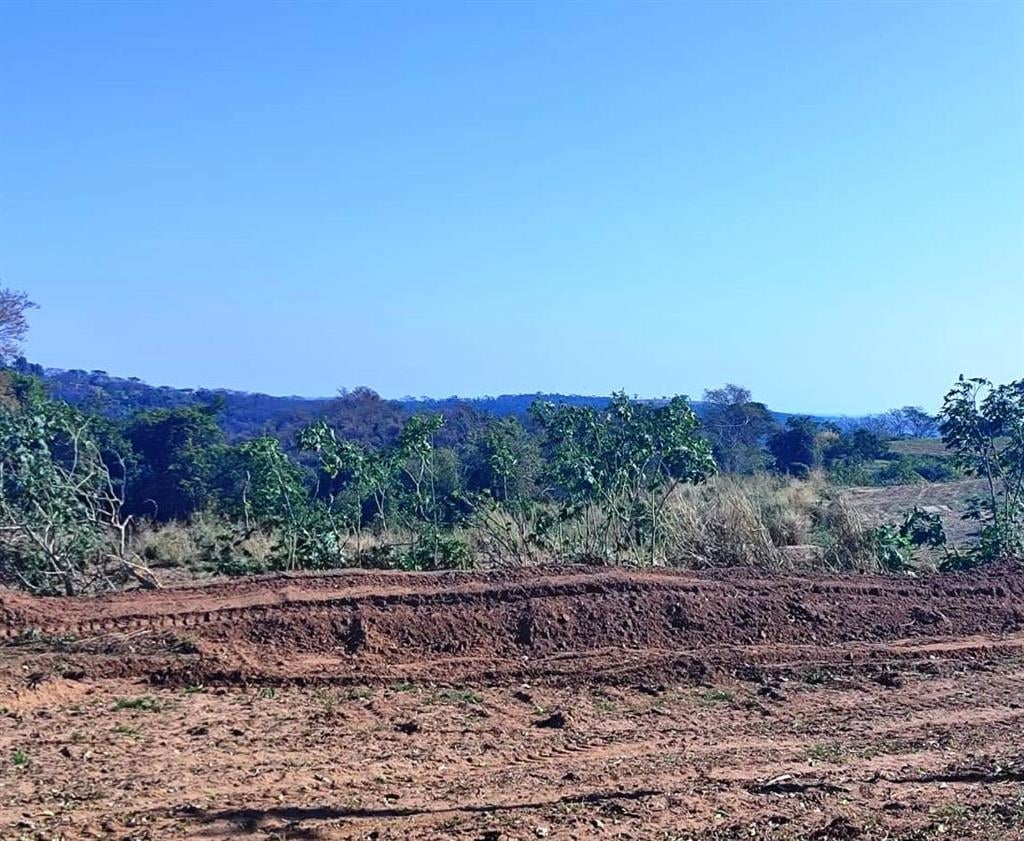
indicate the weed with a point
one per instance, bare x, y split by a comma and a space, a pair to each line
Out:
183, 644
457, 696
19, 758
603, 705
825, 753
710, 697
268, 693
359, 693
126, 730
819, 677
35, 635
950, 811
329, 701
144, 703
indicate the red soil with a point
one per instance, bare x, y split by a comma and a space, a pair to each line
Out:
889, 707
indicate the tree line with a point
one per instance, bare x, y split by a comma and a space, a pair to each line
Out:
369, 483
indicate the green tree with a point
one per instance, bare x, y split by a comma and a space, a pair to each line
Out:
176, 452
738, 429
62, 526
502, 466
401, 481
983, 425
613, 470
796, 447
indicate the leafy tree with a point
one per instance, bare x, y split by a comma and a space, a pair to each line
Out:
737, 428
402, 480
917, 423
350, 475
258, 484
62, 526
796, 447
854, 448
908, 422
176, 452
502, 460
613, 470
502, 467
363, 416
14, 307
983, 425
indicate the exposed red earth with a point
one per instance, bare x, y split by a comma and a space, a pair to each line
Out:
561, 703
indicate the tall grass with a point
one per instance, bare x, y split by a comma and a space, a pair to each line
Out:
733, 520
761, 520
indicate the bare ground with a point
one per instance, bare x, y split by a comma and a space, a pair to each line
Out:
891, 503
562, 704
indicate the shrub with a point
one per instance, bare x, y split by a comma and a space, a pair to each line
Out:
983, 425
169, 545
852, 543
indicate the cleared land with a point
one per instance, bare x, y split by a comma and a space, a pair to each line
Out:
573, 703
947, 499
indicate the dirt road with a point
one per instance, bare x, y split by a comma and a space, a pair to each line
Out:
574, 703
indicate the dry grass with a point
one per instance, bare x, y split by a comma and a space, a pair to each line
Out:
740, 520
919, 447
192, 544
760, 520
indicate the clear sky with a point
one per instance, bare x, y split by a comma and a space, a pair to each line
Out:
823, 201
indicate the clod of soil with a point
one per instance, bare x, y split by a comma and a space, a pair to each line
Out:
556, 721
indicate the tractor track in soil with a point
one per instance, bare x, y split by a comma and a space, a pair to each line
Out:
561, 625
516, 704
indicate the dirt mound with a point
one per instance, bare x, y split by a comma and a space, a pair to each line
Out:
561, 624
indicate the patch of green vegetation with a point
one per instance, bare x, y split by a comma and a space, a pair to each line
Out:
127, 730
605, 705
268, 693
359, 693
36, 635
20, 759
831, 754
145, 703
818, 677
950, 811
716, 695
457, 696
329, 702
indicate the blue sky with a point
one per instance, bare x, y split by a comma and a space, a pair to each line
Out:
821, 201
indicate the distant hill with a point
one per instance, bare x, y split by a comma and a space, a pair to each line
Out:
518, 405
247, 414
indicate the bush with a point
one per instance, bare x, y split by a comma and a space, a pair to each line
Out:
437, 549
898, 472
170, 545
934, 468
854, 544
